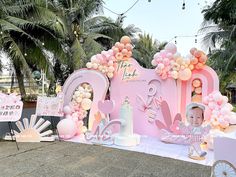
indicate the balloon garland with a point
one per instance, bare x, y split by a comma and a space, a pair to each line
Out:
170, 64
221, 115
106, 61
75, 112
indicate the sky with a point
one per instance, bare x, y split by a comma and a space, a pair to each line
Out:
164, 19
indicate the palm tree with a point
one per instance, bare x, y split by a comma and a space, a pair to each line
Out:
28, 30
114, 29
80, 40
220, 25
145, 48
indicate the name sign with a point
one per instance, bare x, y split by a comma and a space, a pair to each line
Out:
10, 108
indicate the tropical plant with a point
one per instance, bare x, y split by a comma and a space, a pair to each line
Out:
220, 25
145, 48
114, 29
80, 40
28, 30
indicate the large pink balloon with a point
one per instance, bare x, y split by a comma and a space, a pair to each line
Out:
170, 47
185, 74
66, 128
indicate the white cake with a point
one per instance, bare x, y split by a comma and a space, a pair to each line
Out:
126, 137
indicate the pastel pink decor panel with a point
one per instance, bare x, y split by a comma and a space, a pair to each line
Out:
224, 149
144, 88
210, 83
98, 82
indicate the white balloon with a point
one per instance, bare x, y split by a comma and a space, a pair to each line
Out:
154, 63
86, 104
81, 89
110, 75
157, 55
94, 59
95, 65
78, 99
111, 69
100, 67
89, 65
88, 95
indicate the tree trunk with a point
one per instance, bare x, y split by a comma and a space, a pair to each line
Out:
20, 78
12, 81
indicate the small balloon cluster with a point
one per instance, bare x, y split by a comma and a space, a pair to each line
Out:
106, 61
123, 49
170, 64
197, 90
198, 59
75, 112
221, 115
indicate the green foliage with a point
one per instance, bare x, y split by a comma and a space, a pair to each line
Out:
25, 27
145, 48
220, 25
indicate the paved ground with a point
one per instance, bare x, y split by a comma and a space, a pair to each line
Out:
65, 159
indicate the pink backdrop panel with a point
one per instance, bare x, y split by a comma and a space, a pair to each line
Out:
224, 149
98, 82
210, 83
143, 87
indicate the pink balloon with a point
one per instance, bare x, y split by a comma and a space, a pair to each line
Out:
166, 61
225, 111
110, 52
192, 50
169, 55
211, 105
170, 47
66, 128
163, 53
67, 110
217, 97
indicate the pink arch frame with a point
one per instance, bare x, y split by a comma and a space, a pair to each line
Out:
98, 82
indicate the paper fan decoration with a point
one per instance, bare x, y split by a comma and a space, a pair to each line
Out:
32, 131
223, 168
